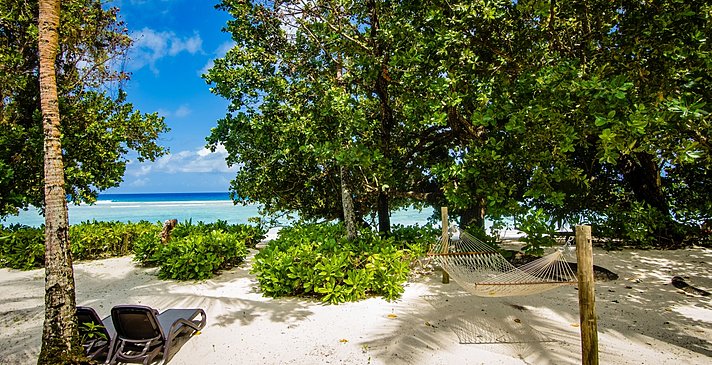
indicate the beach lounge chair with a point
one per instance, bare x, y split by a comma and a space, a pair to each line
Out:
96, 333
142, 333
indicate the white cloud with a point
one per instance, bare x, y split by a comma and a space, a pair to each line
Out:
181, 112
140, 182
190, 45
220, 52
196, 161
151, 45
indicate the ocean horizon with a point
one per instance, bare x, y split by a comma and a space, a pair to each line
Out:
204, 207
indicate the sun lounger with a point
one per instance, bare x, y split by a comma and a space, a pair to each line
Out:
142, 334
96, 333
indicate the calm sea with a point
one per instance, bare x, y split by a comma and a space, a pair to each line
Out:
157, 207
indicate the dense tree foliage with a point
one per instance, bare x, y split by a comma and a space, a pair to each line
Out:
99, 128
577, 111
590, 111
311, 107
283, 129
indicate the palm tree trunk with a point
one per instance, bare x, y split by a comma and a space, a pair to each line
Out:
60, 338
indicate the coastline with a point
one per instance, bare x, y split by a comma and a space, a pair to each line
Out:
157, 207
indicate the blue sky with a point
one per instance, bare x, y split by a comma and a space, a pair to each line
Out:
175, 42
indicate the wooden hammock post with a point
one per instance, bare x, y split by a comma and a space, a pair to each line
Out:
587, 307
445, 241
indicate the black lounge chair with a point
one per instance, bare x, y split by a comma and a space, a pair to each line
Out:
142, 333
96, 333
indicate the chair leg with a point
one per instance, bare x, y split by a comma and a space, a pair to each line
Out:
110, 351
152, 355
167, 348
116, 354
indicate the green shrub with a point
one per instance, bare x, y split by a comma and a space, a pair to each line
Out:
197, 250
146, 248
317, 260
416, 239
22, 247
91, 240
251, 235
539, 231
634, 224
200, 256
96, 240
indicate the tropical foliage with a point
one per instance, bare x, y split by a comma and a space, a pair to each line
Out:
576, 109
198, 257
590, 111
198, 251
195, 250
320, 261
311, 110
250, 234
98, 127
96, 240
22, 247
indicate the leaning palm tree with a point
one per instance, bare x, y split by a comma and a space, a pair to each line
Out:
60, 337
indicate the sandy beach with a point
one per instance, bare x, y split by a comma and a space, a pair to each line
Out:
642, 318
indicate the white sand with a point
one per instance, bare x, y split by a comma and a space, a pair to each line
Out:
642, 318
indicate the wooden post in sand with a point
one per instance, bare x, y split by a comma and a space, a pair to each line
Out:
587, 307
445, 241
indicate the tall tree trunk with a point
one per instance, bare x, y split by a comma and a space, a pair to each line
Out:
386, 115
384, 214
643, 176
474, 215
60, 338
347, 202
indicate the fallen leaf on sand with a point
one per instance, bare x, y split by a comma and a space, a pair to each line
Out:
392, 316
343, 340
574, 324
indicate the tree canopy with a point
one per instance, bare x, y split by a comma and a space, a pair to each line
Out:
311, 95
99, 127
589, 110
577, 111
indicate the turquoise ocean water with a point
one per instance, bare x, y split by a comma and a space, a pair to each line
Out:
157, 207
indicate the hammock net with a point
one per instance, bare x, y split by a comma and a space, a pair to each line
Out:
483, 271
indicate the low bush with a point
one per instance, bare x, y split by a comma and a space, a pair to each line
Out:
317, 260
249, 234
416, 239
96, 240
22, 247
146, 248
539, 231
200, 256
197, 251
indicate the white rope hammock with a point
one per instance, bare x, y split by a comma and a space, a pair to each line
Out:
483, 271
